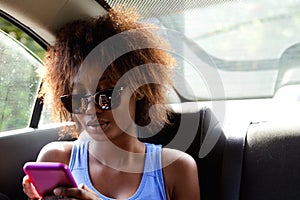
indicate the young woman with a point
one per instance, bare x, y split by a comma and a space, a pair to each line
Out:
109, 75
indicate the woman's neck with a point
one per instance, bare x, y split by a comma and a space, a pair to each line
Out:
123, 154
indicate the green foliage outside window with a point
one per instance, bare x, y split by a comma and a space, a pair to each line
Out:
19, 81
22, 37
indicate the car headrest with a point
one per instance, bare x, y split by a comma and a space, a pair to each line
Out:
271, 161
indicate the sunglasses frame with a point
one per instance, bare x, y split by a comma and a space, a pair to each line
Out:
103, 96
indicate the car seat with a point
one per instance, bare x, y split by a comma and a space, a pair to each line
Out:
198, 128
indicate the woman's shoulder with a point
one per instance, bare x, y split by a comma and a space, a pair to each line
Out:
178, 158
180, 174
58, 151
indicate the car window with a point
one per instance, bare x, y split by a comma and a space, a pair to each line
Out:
244, 43
237, 44
19, 81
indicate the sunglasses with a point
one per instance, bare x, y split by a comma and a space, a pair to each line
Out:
78, 103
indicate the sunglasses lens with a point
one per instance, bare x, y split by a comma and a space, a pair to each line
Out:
103, 101
76, 104
106, 101
66, 100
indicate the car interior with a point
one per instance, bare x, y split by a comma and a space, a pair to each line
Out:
244, 139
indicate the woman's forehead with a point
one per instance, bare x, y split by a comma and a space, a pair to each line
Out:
92, 82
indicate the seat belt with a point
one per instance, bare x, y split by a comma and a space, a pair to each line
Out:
233, 162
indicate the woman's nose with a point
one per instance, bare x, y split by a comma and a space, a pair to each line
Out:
92, 108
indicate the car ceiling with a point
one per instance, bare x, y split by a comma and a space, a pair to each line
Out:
45, 17
151, 8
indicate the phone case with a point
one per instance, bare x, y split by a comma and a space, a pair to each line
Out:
46, 176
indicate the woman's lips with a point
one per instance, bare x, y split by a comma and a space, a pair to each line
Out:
98, 124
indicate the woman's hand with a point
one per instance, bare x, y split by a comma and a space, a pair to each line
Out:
29, 189
82, 192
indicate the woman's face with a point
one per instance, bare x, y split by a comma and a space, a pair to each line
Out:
101, 124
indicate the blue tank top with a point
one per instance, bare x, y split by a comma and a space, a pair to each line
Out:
152, 182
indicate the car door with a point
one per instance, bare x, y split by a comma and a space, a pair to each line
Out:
24, 128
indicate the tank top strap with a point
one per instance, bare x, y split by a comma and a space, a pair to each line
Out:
153, 168
153, 158
79, 155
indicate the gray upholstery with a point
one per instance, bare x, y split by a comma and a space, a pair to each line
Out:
15, 150
271, 168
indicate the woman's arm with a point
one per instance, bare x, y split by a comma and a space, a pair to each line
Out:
52, 152
56, 152
59, 152
180, 175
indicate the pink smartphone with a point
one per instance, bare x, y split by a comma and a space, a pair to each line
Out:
46, 176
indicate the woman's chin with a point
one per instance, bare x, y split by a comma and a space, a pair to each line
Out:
96, 132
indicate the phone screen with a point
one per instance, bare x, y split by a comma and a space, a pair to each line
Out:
46, 176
